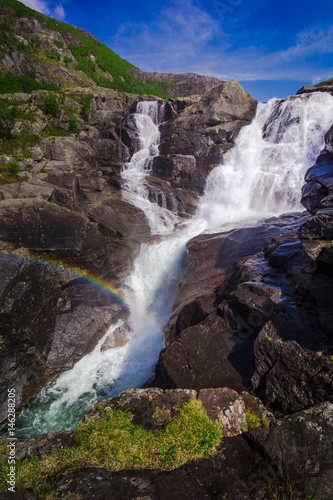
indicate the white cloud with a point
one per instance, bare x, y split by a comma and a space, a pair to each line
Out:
175, 39
186, 38
59, 12
47, 7
38, 5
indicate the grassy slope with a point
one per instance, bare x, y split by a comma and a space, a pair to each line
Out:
106, 70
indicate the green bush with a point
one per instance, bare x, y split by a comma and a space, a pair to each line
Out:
10, 83
72, 124
59, 43
8, 115
86, 108
53, 54
9, 172
51, 106
67, 60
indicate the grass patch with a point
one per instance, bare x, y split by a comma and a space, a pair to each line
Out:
9, 172
117, 444
10, 83
253, 420
18, 143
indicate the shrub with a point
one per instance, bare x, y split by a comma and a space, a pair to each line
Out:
8, 115
9, 172
10, 83
67, 60
72, 124
59, 43
51, 105
86, 108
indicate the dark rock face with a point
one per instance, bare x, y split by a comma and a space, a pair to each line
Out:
299, 446
319, 182
207, 128
54, 231
195, 132
220, 310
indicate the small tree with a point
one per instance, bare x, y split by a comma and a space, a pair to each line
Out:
72, 124
8, 116
86, 108
51, 105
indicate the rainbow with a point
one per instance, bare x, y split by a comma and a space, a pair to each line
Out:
87, 275
100, 283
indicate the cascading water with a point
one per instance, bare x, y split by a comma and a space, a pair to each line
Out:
260, 177
148, 116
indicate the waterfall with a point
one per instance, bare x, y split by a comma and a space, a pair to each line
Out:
260, 176
148, 116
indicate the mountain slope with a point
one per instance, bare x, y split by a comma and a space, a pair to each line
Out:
60, 55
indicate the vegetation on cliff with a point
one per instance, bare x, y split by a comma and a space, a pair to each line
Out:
61, 55
115, 443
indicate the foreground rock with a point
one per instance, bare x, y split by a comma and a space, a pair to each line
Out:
154, 408
288, 458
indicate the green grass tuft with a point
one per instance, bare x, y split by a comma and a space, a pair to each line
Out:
253, 420
117, 444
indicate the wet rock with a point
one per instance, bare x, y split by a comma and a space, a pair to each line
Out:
118, 338
319, 227
329, 140
209, 260
177, 169
49, 319
206, 129
177, 200
117, 217
53, 231
199, 359
322, 171
312, 194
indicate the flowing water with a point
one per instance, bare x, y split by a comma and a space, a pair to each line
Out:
260, 177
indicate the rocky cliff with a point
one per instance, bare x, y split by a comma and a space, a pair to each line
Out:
184, 84
61, 203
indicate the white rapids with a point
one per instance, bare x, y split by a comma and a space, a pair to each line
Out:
260, 176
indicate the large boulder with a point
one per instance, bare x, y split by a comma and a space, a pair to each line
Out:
209, 260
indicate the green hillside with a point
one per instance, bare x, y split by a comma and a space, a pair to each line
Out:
38, 52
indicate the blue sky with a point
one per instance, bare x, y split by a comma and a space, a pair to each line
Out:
272, 48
